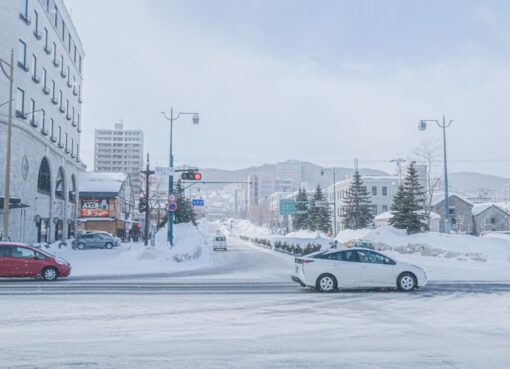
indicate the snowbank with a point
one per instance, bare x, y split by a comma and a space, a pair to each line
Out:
192, 250
443, 256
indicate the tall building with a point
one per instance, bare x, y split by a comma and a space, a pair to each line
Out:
120, 150
45, 159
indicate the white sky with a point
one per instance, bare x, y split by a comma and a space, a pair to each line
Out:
324, 81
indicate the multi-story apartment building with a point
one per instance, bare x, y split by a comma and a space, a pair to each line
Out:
120, 150
45, 159
380, 188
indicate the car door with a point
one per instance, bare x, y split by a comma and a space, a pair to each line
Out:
5, 261
377, 270
347, 269
99, 240
23, 262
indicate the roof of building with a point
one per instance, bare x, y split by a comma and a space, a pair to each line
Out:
365, 179
101, 182
439, 198
479, 209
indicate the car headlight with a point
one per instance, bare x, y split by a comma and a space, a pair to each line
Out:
61, 261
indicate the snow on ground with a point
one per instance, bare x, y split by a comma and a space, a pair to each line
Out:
444, 257
384, 330
192, 250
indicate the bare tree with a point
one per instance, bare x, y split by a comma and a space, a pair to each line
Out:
428, 153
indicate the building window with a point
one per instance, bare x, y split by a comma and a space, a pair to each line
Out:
60, 144
78, 122
35, 77
44, 177
63, 31
72, 190
45, 81
53, 93
62, 68
67, 144
44, 131
20, 103
374, 190
493, 220
23, 10
36, 25
61, 101
22, 55
55, 60
32, 113
384, 208
60, 184
46, 41
52, 130
385, 191
79, 63
55, 16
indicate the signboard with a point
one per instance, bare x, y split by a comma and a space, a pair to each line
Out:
197, 202
287, 207
94, 208
164, 171
172, 207
172, 197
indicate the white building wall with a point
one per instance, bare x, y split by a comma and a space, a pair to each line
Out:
33, 136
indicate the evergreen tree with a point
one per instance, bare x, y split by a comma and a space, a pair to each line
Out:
319, 214
301, 219
185, 212
408, 204
357, 213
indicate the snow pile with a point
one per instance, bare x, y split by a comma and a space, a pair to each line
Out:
248, 228
306, 234
192, 250
443, 256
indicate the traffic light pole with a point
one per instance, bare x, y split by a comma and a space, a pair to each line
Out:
147, 173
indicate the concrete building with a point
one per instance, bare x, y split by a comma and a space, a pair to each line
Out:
289, 176
45, 159
120, 150
381, 190
107, 204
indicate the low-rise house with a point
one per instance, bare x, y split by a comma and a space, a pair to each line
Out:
107, 203
490, 217
461, 212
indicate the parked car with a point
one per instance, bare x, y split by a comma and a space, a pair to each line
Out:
220, 242
95, 241
356, 268
119, 241
20, 260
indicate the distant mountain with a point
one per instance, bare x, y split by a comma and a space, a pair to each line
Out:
311, 173
474, 183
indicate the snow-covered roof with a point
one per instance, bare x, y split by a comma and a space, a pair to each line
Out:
479, 209
101, 182
439, 197
389, 215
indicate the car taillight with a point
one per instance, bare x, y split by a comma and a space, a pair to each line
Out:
307, 261
303, 261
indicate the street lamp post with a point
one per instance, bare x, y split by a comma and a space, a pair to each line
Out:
443, 125
7, 183
170, 214
333, 171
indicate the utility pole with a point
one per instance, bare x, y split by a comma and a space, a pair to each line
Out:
7, 183
399, 161
147, 172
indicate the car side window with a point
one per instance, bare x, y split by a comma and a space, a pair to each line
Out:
22, 253
41, 256
350, 256
374, 258
5, 251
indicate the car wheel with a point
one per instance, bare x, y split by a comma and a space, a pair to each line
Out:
109, 245
81, 246
406, 282
49, 274
327, 283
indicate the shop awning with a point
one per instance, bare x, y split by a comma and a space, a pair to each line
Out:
14, 203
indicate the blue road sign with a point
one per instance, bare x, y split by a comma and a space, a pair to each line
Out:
172, 207
197, 202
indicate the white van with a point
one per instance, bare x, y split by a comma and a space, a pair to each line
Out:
220, 242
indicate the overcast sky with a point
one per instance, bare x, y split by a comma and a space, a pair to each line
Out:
324, 81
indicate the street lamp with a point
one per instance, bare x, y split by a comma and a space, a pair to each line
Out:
333, 171
170, 214
7, 183
422, 126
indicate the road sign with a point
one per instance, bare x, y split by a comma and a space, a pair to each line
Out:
172, 197
287, 207
164, 171
197, 202
172, 207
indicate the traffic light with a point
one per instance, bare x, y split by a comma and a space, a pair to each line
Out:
142, 204
191, 175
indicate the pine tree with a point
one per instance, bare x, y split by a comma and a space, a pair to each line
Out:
357, 213
319, 215
184, 212
301, 219
408, 204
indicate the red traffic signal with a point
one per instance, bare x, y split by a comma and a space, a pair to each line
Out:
191, 175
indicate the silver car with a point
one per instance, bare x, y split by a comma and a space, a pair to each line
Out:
95, 241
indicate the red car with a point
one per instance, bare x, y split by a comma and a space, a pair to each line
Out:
20, 260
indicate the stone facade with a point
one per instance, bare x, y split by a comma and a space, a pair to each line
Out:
48, 59
461, 215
